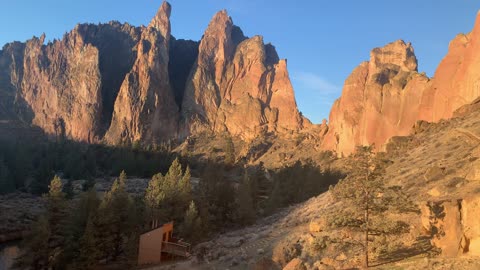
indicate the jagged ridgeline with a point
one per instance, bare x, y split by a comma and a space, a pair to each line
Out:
121, 84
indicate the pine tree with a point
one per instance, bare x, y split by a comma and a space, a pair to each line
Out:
246, 209
88, 246
216, 198
192, 224
360, 192
167, 197
115, 220
86, 210
44, 246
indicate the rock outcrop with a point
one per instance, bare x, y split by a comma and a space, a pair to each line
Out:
145, 109
456, 80
384, 97
238, 85
67, 87
380, 99
454, 226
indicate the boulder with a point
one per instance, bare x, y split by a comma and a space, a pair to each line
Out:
295, 264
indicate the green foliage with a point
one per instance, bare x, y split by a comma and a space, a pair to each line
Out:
366, 198
216, 199
191, 228
49, 232
298, 183
32, 165
167, 197
81, 251
116, 220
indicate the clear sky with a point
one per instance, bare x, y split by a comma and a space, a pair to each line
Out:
323, 40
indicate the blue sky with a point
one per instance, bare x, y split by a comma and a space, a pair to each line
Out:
322, 40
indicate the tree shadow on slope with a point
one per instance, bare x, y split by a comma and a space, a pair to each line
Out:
422, 246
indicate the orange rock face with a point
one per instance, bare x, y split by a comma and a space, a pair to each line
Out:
64, 87
380, 99
238, 85
457, 78
145, 109
121, 84
384, 97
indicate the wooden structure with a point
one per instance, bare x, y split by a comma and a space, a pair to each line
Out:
158, 245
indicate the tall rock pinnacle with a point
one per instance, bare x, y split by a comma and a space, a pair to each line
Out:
238, 85
161, 21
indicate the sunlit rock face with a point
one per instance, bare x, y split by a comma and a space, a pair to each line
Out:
145, 109
238, 85
66, 87
122, 84
457, 79
384, 97
380, 99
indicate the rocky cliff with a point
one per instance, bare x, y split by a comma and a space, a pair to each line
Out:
122, 84
380, 99
385, 96
238, 85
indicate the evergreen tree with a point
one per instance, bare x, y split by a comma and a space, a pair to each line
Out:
192, 224
86, 211
115, 219
246, 209
167, 197
88, 246
43, 248
216, 198
362, 193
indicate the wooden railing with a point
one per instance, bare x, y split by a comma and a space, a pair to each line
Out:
178, 248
